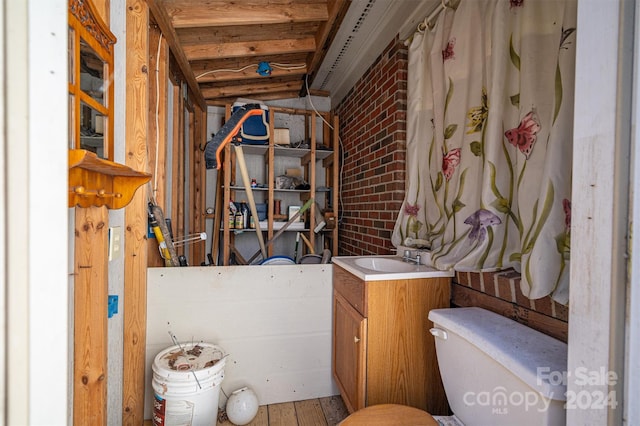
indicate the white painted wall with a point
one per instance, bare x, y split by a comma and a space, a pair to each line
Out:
600, 197
275, 323
631, 414
34, 140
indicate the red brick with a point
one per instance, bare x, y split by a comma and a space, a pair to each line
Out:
462, 278
543, 306
489, 283
506, 290
474, 281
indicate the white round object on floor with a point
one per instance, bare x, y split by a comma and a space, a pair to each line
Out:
242, 406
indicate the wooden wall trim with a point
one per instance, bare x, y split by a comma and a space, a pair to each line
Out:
135, 253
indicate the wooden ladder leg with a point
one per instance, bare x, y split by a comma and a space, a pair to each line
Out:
252, 203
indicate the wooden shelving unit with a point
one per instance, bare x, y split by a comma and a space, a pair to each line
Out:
319, 154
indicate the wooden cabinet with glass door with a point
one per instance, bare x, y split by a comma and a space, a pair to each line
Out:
94, 178
90, 85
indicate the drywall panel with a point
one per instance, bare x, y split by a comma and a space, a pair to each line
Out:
273, 321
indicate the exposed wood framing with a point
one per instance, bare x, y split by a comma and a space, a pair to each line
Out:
90, 337
324, 37
159, 65
90, 316
190, 158
169, 33
179, 198
247, 48
222, 42
199, 184
135, 254
226, 13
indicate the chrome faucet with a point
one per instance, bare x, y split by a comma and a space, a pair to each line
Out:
407, 257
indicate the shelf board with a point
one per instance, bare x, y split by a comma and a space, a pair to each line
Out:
284, 151
295, 226
242, 188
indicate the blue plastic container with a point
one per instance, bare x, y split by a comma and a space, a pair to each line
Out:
255, 129
261, 208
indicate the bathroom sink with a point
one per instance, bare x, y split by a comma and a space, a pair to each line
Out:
384, 264
387, 267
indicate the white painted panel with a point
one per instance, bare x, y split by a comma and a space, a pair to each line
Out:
274, 321
47, 140
598, 223
115, 324
632, 373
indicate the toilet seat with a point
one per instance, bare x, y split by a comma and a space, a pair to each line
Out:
389, 415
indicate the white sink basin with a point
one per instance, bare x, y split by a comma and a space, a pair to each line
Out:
390, 267
384, 264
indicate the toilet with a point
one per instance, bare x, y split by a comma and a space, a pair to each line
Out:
495, 371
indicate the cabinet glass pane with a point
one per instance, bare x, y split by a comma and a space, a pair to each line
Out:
91, 130
91, 72
72, 56
72, 120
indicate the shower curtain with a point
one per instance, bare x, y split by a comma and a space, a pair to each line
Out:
489, 141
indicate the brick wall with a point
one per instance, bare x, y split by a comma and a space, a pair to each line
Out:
373, 134
372, 129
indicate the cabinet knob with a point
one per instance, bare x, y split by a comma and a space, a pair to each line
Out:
356, 339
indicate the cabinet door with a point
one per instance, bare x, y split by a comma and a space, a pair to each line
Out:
349, 352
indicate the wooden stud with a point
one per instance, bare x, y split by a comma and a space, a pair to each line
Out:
135, 253
175, 155
90, 316
158, 60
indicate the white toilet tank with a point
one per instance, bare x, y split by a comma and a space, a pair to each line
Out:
496, 371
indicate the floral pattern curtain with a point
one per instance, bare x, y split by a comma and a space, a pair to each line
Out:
489, 141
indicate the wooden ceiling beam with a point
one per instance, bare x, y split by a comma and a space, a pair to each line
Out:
249, 73
337, 9
258, 97
185, 14
250, 89
232, 34
294, 59
164, 23
202, 51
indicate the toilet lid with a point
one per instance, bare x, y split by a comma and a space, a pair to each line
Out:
389, 415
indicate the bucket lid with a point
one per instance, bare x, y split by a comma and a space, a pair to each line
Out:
278, 260
190, 357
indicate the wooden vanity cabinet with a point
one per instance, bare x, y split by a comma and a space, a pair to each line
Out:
383, 351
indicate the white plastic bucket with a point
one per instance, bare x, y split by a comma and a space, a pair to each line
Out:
186, 385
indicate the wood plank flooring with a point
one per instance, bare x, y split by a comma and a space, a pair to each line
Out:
327, 411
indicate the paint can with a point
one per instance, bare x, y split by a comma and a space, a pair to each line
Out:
186, 384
